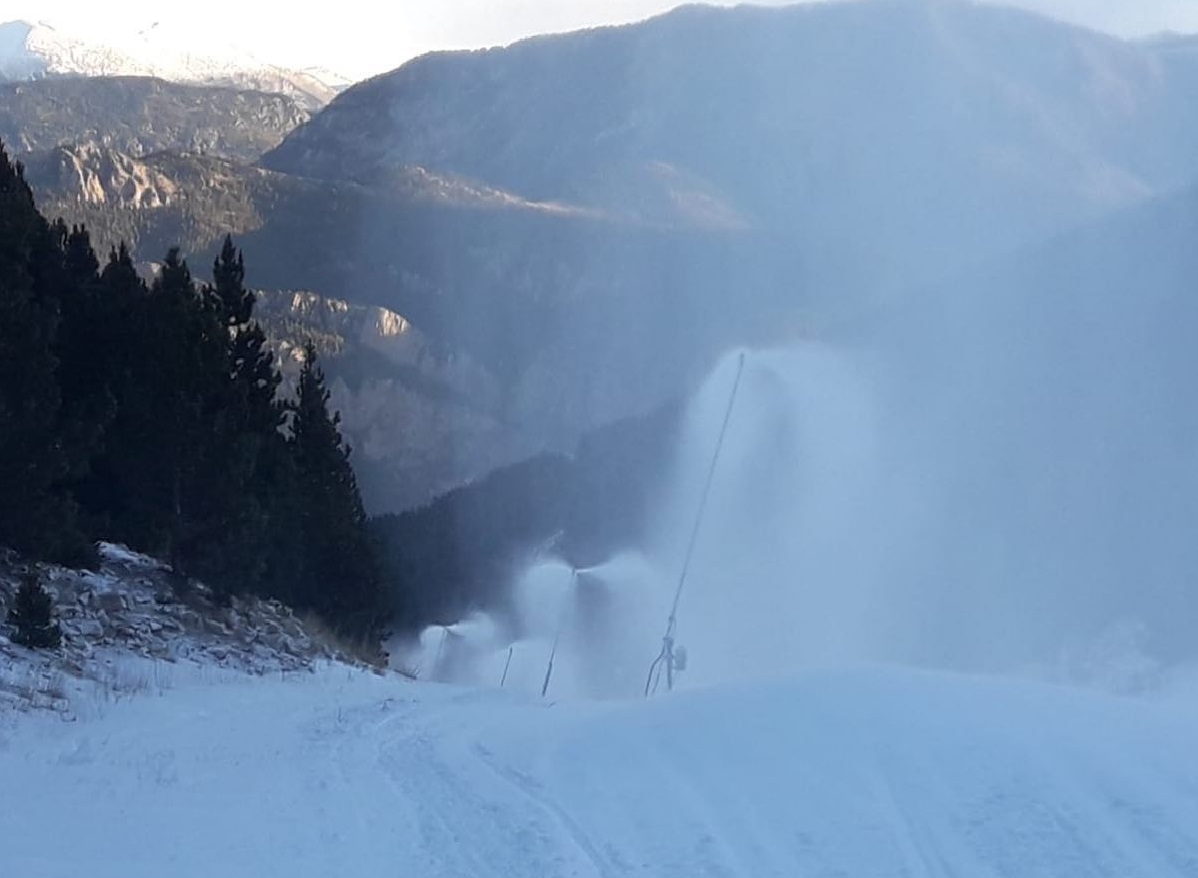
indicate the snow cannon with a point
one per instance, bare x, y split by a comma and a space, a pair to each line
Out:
460, 648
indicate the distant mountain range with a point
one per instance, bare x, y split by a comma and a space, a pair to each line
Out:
139, 116
32, 51
903, 131
741, 176
589, 219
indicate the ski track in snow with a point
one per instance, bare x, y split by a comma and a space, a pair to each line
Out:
865, 773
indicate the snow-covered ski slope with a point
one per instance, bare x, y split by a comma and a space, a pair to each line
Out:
859, 773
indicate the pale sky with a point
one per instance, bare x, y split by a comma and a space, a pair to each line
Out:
362, 37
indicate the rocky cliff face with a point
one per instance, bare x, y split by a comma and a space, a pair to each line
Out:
151, 203
104, 178
420, 421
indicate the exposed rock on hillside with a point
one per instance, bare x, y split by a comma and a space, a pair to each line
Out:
105, 178
131, 609
420, 420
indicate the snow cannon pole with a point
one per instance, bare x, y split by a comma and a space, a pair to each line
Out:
507, 666
666, 656
561, 622
441, 646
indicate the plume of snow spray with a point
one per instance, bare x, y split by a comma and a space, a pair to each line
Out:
971, 485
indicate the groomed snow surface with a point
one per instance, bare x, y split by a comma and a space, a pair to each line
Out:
873, 772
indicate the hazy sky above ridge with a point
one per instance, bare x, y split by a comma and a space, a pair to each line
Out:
360, 37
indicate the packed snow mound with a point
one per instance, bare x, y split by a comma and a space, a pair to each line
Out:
873, 773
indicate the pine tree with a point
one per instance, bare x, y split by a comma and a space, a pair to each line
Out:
169, 379
88, 337
255, 380
32, 616
36, 516
80, 259
195, 466
189, 376
157, 409
340, 577
118, 354
228, 285
240, 493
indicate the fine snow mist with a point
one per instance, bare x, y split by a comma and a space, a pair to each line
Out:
999, 489
998, 474
790, 485
576, 632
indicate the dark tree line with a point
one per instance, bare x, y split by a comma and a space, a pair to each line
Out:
151, 415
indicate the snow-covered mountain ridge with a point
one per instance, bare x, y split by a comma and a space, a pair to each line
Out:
31, 51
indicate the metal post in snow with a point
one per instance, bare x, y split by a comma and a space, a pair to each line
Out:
561, 622
506, 666
667, 642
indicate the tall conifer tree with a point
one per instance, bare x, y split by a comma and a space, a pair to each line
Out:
158, 409
236, 509
341, 575
36, 516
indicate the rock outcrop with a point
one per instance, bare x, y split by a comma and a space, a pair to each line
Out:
134, 613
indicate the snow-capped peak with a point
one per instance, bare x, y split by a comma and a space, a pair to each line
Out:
33, 50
